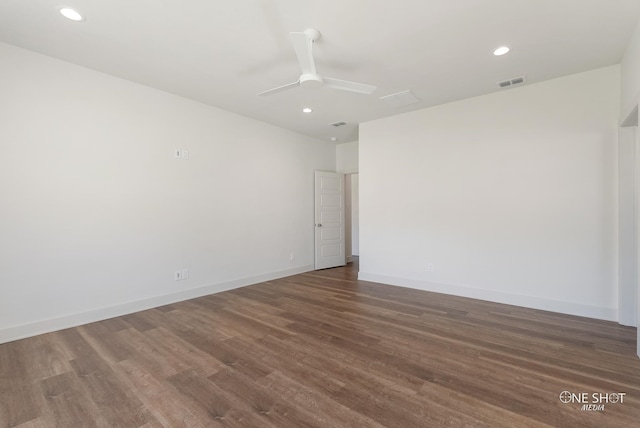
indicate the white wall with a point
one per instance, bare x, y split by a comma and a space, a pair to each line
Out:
509, 196
630, 72
347, 157
97, 214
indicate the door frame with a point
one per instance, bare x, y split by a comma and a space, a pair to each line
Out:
627, 225
629, 221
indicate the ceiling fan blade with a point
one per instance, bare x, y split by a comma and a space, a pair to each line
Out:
280, 88
345, 85
302, 44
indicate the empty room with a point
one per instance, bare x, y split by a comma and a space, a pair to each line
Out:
287, 213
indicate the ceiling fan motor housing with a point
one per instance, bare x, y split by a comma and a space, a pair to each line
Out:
312, 34
311, 81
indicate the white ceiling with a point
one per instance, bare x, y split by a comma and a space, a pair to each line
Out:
223, 53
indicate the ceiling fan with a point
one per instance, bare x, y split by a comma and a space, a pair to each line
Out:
303, 44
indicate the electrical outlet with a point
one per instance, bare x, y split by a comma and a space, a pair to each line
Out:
177, 275
185, 273
430, 267
181, 154
292, 256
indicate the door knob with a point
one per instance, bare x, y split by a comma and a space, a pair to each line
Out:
319, 225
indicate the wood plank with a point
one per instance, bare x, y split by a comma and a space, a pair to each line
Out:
18, 399
117, 404
218, 404
69, 404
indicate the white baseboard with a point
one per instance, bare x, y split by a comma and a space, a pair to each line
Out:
569, 308
72, 320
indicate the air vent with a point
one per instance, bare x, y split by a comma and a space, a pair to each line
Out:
400, 99
512, 82
336, 124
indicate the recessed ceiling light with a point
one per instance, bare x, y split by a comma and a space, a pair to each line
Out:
306, 110
501, 51
334, 138
71, 14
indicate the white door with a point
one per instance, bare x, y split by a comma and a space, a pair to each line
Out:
329, 219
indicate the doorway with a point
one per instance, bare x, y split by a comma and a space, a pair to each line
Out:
352, 217
629, 223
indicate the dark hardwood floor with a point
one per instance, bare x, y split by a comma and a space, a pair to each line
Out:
324, 350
